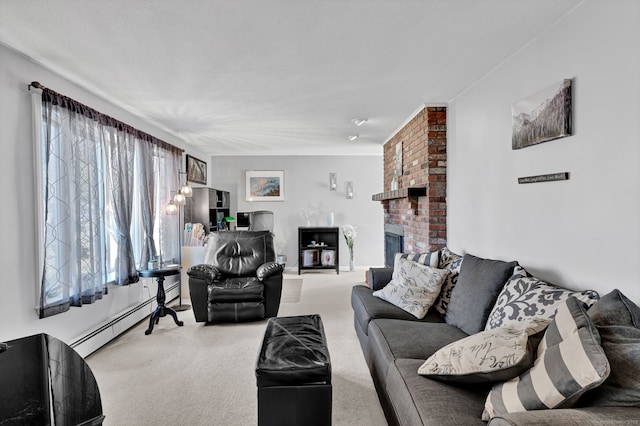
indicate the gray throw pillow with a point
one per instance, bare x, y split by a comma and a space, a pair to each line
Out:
618, 321
476, 291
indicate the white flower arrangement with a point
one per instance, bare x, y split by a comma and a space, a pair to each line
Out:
350, 234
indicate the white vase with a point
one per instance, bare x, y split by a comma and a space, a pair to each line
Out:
352, 262
330, 219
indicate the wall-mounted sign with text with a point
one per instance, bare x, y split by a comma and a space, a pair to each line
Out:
544, 178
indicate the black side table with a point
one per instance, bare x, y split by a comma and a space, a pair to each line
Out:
161, 310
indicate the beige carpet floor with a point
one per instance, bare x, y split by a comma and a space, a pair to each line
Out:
204, 375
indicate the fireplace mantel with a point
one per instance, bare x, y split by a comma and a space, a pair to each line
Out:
400, 193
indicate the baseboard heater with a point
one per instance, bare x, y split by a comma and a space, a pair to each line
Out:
95, 339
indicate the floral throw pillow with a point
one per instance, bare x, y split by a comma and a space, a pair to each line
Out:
451, 261
528, 302
414, 288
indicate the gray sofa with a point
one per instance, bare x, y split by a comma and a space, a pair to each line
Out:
395, 344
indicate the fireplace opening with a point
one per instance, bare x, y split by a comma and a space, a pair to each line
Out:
393, 242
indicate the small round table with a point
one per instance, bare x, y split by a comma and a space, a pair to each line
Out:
161, 310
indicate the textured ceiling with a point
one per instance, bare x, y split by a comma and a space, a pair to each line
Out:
278, 77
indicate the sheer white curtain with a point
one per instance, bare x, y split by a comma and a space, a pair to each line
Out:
74, 268
169, 231
120, 152
158, 177
99, 182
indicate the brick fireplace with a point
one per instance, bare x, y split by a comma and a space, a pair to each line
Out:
417, 210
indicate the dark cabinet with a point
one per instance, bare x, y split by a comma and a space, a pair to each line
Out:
318, 248
207, 206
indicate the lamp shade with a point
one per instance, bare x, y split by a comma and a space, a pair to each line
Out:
179, 198
171, 208
186, 190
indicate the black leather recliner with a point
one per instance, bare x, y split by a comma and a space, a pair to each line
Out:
240, 279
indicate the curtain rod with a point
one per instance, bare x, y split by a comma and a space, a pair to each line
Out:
119, 124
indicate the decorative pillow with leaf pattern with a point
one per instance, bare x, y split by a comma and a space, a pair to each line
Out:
414, 288
528, 302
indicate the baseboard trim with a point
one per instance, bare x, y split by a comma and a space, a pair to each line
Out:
103, 334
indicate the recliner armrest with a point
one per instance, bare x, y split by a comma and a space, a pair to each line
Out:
269, 269
207, 273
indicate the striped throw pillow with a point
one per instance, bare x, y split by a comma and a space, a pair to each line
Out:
570, 361
429, 259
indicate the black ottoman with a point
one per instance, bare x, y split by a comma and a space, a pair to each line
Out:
293, 373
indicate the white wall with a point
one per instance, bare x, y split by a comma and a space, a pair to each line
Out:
17, 216
306, 182
584, 232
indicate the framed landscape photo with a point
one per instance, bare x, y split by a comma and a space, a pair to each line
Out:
196, 170
264, 185
543, 116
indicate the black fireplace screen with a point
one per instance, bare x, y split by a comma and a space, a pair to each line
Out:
393, 243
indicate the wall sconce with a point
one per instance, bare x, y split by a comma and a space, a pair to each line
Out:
333, 181
349, 190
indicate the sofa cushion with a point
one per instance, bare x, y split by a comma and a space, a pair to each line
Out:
476, 292
417, 400
413, 339
489, 356
390, 339
528, 302
451, 261
570, 361
414, 287
618, 321
367, 307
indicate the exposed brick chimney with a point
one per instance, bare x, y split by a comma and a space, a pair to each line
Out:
419, 205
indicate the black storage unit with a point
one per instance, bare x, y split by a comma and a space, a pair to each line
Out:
207, 206
318, 248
